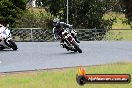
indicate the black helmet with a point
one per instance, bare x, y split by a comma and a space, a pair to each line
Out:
56, 21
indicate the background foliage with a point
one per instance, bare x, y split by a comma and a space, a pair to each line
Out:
82, 13
127, 6
11, 10
34, 18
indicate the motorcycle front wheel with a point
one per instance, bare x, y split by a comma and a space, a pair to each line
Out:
76, 47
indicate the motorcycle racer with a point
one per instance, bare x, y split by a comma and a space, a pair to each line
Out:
59, 27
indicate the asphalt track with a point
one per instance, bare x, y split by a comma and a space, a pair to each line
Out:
48, 55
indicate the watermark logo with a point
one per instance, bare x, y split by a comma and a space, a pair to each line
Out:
83, 78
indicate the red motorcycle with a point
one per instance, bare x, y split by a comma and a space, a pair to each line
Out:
69, 42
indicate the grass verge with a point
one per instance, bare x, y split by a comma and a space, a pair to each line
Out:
119, 35
63, 78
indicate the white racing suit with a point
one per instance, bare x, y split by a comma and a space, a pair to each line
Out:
3, 31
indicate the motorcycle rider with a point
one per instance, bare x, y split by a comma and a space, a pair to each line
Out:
2, 28
2, 24
2, 35
59, 27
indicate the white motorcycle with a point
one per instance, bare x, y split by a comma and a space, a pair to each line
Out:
6, 41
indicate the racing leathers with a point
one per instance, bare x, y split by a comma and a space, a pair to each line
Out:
59, 28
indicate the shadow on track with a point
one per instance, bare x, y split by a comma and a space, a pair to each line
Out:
69, 53
7, 50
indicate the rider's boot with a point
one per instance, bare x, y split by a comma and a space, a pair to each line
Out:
62, 43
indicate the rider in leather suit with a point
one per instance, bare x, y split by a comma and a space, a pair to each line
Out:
59, 28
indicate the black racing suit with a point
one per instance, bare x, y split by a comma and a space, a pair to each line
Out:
59, 28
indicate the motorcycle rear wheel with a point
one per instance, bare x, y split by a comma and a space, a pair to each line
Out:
1, 48
12, 44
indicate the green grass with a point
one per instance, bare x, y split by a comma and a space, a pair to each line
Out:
63, 78
120, 22
119, 35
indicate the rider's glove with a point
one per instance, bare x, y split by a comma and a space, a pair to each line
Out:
70, 26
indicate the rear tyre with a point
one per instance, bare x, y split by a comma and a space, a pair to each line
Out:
76, 47
1, 48
12, 44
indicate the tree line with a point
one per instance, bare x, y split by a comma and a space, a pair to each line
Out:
82, 13
11, 10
